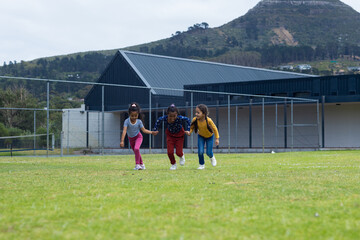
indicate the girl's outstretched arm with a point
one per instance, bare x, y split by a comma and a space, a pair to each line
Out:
123, 137
187, 121
144, 130
158, 122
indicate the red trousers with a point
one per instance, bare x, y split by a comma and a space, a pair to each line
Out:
175, 141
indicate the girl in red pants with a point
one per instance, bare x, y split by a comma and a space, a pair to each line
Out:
174, 133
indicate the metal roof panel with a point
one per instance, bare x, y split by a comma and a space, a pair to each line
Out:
174, 73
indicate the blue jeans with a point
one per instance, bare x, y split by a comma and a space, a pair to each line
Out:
209, 148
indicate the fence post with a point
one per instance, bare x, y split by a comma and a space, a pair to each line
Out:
120, 129
229, 122
87, 129
186, 114
103, 119
236, 128
156, 117
292, 125
318, 123
323, 121
34, 132
263, 125
47, 117
217, 116
53, 141
61, 143
98, 132
192, 116
163, 133
276, 125
250, 123
150, 135
285, 124
68, 133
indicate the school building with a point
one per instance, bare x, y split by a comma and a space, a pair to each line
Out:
278, 109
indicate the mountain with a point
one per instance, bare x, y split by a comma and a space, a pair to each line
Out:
273, 33
305, 29
299, 22
325, 34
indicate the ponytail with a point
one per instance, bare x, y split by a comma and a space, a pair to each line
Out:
194, 123
208, 126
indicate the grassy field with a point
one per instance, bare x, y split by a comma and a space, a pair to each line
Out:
15, 153
307, 195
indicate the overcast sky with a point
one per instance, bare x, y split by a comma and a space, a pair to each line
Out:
33, 29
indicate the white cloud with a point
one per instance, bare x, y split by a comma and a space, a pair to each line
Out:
41, 28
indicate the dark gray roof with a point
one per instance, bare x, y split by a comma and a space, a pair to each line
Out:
174, 73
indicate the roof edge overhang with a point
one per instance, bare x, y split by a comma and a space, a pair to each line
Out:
102, 74
123, 53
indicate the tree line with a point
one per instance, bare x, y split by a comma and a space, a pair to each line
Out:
14, 121
86, 68
269, 55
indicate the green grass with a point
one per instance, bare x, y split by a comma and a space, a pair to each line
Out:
308, 195
5, 152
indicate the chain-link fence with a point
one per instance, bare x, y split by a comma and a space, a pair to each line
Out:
245, 122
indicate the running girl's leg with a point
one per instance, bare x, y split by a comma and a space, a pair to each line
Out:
170, 147
209, 146
179, 144
201, 144
132, 145
138, 142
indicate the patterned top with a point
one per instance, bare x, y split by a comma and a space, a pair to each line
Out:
174, 127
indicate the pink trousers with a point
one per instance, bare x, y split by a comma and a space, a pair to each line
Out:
135, 144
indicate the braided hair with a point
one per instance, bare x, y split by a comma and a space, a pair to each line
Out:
204, 109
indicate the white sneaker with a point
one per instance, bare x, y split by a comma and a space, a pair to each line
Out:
213, 161
143, 166
173, 167
138, 167
182, 160
201, 167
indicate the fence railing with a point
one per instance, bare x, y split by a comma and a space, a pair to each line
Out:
245, 121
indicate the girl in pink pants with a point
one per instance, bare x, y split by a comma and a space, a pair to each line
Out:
132, 127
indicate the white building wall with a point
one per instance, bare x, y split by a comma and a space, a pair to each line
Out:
304, 136
342, 125
342, 128
74, 129
112, 130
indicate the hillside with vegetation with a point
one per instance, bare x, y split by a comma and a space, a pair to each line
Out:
275, 33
